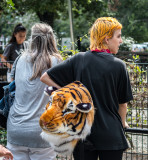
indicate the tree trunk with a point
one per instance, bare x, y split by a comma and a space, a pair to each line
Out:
47, 17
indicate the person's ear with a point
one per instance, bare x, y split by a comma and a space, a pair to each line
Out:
106, 39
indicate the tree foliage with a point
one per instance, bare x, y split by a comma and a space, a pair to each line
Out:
127, 43
9, 21
84, 15
132, 14
134, 17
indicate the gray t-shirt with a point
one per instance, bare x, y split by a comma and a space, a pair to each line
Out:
23, 121
12, 51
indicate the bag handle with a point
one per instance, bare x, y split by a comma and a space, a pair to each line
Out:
13, 70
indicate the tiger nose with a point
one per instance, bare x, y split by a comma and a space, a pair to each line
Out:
42, 123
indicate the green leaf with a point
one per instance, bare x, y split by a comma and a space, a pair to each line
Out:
10, 4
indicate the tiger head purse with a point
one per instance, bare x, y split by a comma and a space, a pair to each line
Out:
68, 117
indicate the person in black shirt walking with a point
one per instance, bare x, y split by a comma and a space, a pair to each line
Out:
106, 77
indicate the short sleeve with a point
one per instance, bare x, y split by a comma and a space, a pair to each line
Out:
7, 52
124, 87
62, 73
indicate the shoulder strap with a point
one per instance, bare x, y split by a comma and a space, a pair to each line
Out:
14, 65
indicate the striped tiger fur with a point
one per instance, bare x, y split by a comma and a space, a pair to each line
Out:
68, 117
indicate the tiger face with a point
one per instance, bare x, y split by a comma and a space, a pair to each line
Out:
68, 117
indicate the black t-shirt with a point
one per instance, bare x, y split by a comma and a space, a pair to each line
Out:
107, 79
12, 51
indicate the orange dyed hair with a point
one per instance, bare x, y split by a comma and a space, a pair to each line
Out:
104, 26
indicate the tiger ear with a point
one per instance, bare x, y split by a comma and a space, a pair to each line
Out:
49, 89
84, 107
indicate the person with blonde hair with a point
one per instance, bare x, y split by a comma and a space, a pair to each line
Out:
106, 77
23, 130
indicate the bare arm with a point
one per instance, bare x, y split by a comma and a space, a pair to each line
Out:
122, 112
5, 153
47, 80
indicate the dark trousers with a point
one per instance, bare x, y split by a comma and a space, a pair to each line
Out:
83, 152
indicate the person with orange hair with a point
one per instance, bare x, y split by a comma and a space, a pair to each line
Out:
106, 77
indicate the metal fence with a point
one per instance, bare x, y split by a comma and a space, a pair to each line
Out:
4, 69
137, 116
4, 76
138, 142
138, 57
